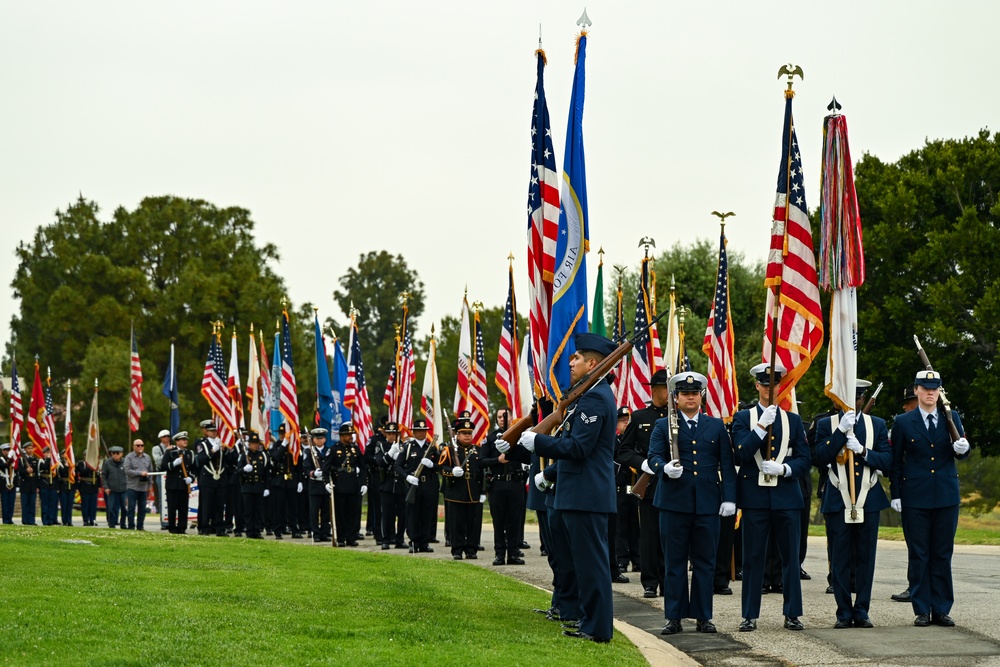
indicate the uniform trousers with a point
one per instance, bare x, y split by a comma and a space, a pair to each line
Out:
253, 512
50, 506
29, 500
319, 516
421, 516
393, 517
560, 550
696, 535
757, 525
650, 546
348, 508
210, 504
930, 542
177, 510
66, 506
463, 527
507, 508
588, 541
852, 548
627, 534
7, 499
88, 507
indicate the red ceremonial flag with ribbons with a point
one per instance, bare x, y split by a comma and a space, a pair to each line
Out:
791, 279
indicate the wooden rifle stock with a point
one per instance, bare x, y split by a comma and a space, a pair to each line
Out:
943, 401
411, 493
842, 456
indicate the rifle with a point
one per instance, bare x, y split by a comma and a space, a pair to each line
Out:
606, 365
641, 484
846, 456
842, 456
411, 494
942, 401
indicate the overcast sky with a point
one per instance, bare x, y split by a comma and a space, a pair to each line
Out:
404, 126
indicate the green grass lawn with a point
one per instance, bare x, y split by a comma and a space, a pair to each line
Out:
159, 599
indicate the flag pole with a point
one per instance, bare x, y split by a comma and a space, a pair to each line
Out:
789, 70
128, 405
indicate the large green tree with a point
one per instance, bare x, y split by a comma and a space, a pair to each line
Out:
932, 235
168, 269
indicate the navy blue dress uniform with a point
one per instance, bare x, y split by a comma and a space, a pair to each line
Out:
215, 465
285, 483
690, 504
421, 515
376, 476
318, 493
27, 482
391, 488
48, 491
507, 501
177, 464
768, 509
627, 529
347, 470
203, 443
461, 468
254, 468
585, 484
88, 481
924, 481
852, 537
66, 487
8, 483
633, 451
233, 516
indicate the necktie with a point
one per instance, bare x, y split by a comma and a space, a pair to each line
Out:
693, 425
930, 422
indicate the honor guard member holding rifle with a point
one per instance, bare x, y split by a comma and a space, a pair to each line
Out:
88, 481
8, 483
202, 444
285, 485
699, 487
633, 453
376, 477
852, 508
312, 458
346, 469
461, 468
177, 463
909, 403
585, 486
66, 488
771, 450
392, 488
27, 482
924, 487
216, 464
47, 488
414, 464
507, 497
255, 468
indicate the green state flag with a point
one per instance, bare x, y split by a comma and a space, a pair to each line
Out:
597, 324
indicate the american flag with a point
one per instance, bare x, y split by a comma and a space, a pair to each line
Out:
68, 436
16, 413
507, 376
478, 400
407, 378
389, 395
289, 399
621, 384
791, 268
643, 360
356, 395
543, 224
50, 423
135, 406
213, 388
233, 384
723, 395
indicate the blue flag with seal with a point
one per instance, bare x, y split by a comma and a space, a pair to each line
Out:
170, 391
276, 417
328, 418
339, 385
569, 284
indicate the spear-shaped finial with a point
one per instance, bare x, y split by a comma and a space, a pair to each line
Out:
284, 303
673, 285
95, 384
601, 253
353, 313
834, 107
584, 20
510, 258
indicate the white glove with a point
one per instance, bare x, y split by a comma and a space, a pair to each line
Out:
329, 488
896, 504
482, 499
187, 480
458, 471
540, 482
502, 445
645, 467
298, 489
394, 451
357, 471
727, 509
267, 492
176, 463
426, 463
527, 440
848, 421
854, 445
317, 474
673, 470
412, 480
248, 468
364, 489
772, 468
768, 416
216, 445
961, 446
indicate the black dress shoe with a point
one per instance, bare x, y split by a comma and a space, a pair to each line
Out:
296, 536
571, 625
803, 575
553, 615
279, 536
583, 635
447, 543
705, 626
623, 567
399, 546
619, 578
793, 623
386, 546
543, 552
739, 576
352, 544
748, 625
525, 545
426, 550
500, 561
725, 590
672, 627
514, 560
649, 593
944, 620
863, 622
842, 624
435, 541
480, 547
902, 597
457, 556
472, 556
922, 621
341, 544
829, 590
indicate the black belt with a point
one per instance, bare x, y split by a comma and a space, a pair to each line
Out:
512, 477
